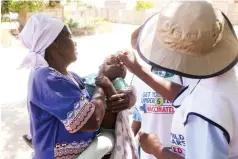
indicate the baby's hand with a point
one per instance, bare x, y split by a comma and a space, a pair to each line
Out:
112, 71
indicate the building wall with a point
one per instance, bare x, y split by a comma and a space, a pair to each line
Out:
54, 12
137, 18
119, 4
130, 16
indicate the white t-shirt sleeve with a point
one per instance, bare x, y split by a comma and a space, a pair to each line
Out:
204, 140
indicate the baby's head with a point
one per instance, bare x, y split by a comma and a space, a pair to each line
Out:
113, 67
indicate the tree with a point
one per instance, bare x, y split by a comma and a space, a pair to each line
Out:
144, 5
54, 3
17, 6
79, 3
21, 7
4, 7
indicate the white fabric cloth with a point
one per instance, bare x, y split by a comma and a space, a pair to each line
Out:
215, 101
125, 146
154, 110
209, 145
101, 145
38, 33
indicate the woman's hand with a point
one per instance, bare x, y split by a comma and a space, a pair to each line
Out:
150, 143
129, 60
124, 99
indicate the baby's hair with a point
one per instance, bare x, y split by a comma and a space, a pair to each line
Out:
113, 60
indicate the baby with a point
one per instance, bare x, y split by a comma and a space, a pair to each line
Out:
112, 78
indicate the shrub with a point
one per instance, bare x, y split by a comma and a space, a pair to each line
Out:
99, 20
90, 25
72, 24
89, 22
53, 3
17, 6
144, 5
79, 4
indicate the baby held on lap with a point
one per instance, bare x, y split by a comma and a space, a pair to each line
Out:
111, 78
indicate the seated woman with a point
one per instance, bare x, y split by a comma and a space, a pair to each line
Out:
64, 119
105, 141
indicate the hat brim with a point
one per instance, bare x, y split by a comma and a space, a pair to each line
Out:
219, 60
134, 37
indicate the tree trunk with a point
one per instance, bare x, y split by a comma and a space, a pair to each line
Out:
22, 18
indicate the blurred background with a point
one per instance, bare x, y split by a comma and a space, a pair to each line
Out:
100, 28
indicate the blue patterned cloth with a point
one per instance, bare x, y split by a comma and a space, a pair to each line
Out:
58, 108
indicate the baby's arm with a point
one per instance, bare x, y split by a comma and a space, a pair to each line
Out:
109, 119
110, 90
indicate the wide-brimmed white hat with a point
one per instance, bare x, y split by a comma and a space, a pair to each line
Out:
189, 38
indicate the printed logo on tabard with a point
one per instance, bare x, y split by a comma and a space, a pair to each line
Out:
152, 102
178, 144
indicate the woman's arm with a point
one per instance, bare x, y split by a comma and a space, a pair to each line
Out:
164, 87
135, 127
136, 124
203, 140
124, 99
150, 143
162, 153
98, 100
